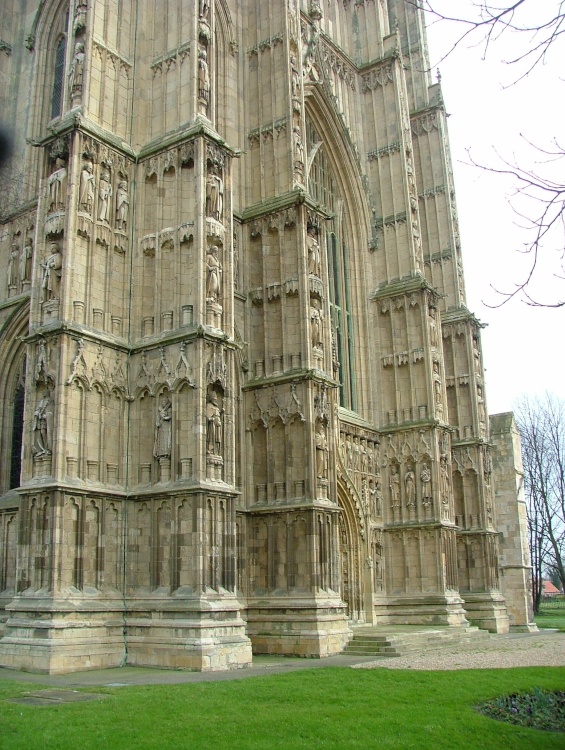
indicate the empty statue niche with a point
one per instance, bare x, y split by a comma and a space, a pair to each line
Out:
397, 566
259, 449
184, 577
143, 443
220, 550
429, 542
459, 500
298, 564
184, 448
259, 555
296, 459
88, 551
215, 408
161, 568
413, 562
112, 548
472, 500
465, 562
140, 547
9, 531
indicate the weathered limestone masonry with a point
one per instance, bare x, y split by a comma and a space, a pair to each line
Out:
242, 395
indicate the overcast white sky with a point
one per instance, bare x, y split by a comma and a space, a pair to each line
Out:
523, 346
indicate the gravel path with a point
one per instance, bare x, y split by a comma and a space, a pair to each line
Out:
499, 651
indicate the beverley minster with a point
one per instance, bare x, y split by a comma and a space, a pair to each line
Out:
242, 397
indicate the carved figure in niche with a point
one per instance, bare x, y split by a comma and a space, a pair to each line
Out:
356, 454
444, 482
57, 182
438, 396
50, 286
481, 405
295, 80
476, 355
203, 76
13, 263
426, 480
204, 8
378, 499
316, 324
25, 260
76, 72
321, 451
213, 426
122, 205
410, 487
394, 485
214, 275
86, 194
163, 429
298, 145
433, 326
214, 196
314, 258
104, 195
43, 426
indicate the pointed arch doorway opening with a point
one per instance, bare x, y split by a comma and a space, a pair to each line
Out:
351, 556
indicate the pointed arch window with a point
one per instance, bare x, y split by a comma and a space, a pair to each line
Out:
324, 189
17, 430
59, 78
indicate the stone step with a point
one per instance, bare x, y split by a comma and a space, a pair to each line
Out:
372, 641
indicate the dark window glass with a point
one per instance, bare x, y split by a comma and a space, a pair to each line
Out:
17, 437
58, 83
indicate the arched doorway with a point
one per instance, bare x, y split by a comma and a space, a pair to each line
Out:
351, 553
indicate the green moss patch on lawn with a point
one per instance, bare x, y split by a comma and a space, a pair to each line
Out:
337, 708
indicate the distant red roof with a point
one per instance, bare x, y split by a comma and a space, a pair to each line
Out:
549, 588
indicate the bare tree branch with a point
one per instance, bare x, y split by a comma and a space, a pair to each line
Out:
538, 199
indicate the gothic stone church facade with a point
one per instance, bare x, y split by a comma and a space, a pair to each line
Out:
243, 400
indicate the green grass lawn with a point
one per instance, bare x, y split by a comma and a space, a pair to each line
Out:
321, 708
551, 617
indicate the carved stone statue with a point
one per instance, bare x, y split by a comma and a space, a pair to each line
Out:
316, 324
213, 426
122, 205
26, 260
295, 77
298, 145
57, 182
426, 480
214, 275
13, 264
394, 485
445, 486
50, 286
314, 257
163, 429
321, 451
76, 72
410, 487
43, 427
203, 77
214, 196
204, 8
86, 194
433, 327
104, 195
